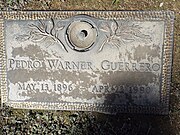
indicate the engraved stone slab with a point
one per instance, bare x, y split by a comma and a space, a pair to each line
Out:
107, 61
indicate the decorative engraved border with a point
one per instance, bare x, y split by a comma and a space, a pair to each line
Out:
3, 77
166, 16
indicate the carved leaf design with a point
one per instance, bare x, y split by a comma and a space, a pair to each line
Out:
126, 36
121, 33
114, 26
60, 28
38, 37
42, 26
42, 31
60, 25
131, 32
104, 27
116, 42
22, 38
49, 43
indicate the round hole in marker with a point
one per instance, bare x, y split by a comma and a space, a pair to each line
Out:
84, 33
81, 35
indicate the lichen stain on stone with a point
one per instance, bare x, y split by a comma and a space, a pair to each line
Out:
43, 97
31, 51
40, 75
127, 78
143, 52
23, 75
129, 55
81, 90
85, 79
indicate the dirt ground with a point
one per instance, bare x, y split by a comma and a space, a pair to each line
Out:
87, 123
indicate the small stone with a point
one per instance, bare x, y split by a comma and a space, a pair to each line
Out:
161, 4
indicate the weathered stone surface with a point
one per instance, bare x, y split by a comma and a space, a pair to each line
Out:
115, 62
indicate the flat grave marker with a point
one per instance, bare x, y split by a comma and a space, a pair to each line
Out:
104, 61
